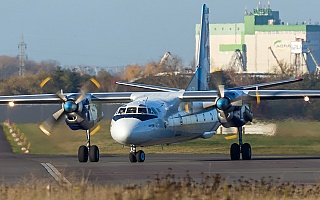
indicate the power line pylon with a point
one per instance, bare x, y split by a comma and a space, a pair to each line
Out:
22, 56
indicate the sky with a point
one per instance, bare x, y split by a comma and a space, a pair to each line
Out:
109, 33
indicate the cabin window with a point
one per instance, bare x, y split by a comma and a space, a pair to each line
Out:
142, 110
131, 110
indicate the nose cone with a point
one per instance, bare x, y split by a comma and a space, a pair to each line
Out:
125, 130
69, 106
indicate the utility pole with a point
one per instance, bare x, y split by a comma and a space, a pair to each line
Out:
22, 56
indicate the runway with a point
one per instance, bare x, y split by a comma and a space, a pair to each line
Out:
116, 169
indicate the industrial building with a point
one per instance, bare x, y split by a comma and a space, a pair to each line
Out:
264, 44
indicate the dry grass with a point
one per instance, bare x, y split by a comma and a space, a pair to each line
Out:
166, 187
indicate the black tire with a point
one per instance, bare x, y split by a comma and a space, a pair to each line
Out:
235, 151
141, 156
246, 151
94, 154
132, 158
83, 154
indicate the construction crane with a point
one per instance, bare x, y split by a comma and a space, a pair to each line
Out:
314, 60
280, 64
237, 61
165, 58
170, 62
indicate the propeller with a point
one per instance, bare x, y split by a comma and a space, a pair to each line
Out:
258, 96
70, 107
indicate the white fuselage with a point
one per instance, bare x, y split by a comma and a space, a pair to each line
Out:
162, 119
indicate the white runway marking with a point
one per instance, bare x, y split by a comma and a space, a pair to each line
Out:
56, 174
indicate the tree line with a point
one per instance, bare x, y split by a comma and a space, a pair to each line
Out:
71, 81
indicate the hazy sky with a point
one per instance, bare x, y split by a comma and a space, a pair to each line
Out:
120, 32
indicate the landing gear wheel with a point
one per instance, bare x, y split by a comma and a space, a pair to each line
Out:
94, 153
141, 156
235, 151
132, 157
83, 154
246, 151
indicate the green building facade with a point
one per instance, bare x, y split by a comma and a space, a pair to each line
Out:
261, 42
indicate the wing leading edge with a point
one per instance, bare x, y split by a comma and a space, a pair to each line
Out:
106, 97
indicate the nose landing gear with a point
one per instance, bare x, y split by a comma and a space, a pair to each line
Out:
135, 156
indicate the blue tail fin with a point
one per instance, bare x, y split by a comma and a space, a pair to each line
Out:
200, 80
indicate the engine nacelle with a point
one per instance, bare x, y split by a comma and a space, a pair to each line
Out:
235, 116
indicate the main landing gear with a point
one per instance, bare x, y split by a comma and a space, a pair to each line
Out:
136, 156
244, 149
91, 152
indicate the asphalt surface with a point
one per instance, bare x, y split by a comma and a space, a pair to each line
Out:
116, 169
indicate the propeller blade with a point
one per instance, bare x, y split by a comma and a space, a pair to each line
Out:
61, 96
85, 88
96, 129
231, 137
221, 90
47, 125
95, 82
223, 118
79, 118
81, 97
258, 97
237, 103
44, 81
58, 114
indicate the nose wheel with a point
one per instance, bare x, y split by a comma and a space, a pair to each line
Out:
136, 156
88, 152
237, 149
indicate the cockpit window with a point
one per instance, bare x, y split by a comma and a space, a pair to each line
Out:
142, 110
131, 110
122, 110
153, 111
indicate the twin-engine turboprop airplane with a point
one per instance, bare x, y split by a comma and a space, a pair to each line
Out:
166, 116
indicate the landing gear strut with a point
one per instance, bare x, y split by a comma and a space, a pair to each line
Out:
244, 149
135, 156
88, 151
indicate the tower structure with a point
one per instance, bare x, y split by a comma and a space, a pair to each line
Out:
22, 56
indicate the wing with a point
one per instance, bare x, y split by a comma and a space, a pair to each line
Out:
145, 86
281, 94
31, 99
264, 85
107, 97
250, 94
